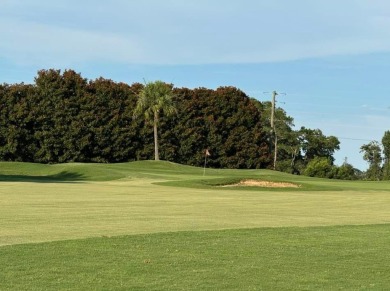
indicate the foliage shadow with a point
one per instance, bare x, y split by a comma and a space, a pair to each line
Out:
61, 177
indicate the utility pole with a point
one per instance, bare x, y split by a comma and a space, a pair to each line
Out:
274, 94
273, 128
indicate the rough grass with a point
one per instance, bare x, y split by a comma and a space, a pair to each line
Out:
297, 243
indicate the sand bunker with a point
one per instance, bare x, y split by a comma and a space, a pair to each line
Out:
260, 183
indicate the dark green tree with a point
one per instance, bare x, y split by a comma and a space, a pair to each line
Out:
372, 153
225, 121
109, 133
315, 144
16, 123
347, 172
386, 154
320, 167
56, 115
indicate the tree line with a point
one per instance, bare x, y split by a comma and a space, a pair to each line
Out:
63, 117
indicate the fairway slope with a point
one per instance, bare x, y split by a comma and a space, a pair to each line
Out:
170, 174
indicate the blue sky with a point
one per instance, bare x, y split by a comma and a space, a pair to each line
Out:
332, 58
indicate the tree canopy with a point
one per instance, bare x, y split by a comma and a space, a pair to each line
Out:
386, 154
372, 153
64, 117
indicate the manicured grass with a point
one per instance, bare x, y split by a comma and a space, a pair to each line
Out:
166, 173
59, 228
313, 258
37, 212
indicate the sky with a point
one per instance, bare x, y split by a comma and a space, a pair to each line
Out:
330, 57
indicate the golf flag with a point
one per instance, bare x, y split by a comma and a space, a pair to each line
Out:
207, 153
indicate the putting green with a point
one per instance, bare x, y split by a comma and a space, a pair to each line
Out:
37, 212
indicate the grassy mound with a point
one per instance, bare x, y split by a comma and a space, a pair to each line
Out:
169, 174
72, 172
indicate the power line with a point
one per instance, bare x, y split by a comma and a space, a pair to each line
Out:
344, 125
337, 113
358, 139
384, 108
325, 113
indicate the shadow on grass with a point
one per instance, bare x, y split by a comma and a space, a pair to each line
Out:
62, 177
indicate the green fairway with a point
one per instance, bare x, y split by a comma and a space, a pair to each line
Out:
45, 203
314, 258
49, 209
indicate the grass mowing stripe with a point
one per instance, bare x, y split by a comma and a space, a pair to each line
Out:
313, 258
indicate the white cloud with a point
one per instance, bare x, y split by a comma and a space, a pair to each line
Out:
191, 32
36, 43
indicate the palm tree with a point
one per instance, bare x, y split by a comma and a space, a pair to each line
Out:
155, 98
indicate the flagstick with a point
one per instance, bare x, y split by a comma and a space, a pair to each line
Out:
205, 161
